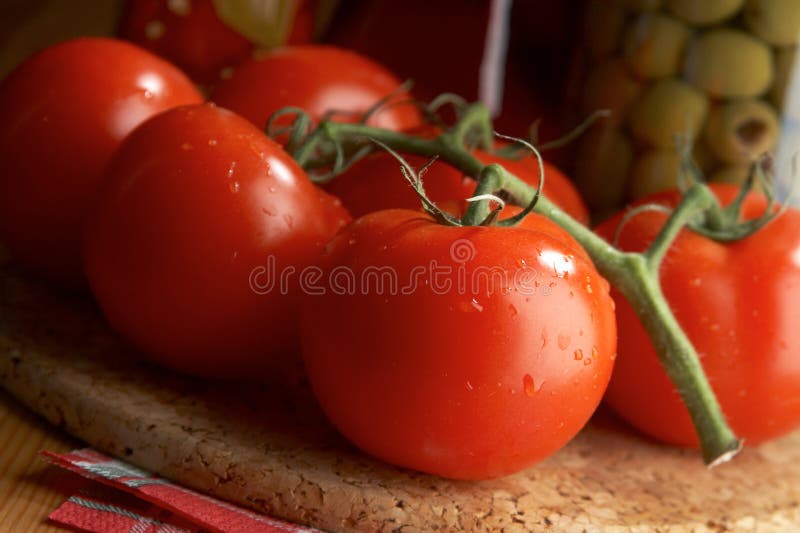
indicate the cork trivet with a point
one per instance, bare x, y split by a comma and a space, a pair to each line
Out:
271, 450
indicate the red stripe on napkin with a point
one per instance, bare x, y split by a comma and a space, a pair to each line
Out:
171, 505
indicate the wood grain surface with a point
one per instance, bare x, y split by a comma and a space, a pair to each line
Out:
30, 489
270, 449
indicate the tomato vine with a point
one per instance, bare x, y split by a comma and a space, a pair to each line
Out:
333, 146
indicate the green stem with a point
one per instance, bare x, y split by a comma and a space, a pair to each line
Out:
635, 275
475, 119
488, 183
695, 201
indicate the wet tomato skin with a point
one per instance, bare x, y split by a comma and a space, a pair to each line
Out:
738, 304
454, 383
63, 112
197, 201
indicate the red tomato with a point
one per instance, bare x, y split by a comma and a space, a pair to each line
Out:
375, 183
190, 35
62, 115
318, 79
196, 203
466, 352
739, 305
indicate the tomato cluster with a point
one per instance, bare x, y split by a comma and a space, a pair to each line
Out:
464, 351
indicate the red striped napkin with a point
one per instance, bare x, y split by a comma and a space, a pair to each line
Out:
132, 499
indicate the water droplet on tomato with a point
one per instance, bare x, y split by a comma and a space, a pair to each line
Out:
234, 186
351, 241
528, 385
267, 212
613, 356
476, 305
187, 146
696, 282
578, 354
271, 189
469, 386
289, 220
231, 168
587, 361
563, 341
595, 353
148, 94
212, 142
571, 294
513, 310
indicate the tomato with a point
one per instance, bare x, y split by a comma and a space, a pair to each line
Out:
197, 204
62, 114
318, 79
190, 34
738, 303
466, 352
375, 183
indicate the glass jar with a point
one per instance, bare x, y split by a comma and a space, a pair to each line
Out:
718, 72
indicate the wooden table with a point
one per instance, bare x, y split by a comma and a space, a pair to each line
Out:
30, 489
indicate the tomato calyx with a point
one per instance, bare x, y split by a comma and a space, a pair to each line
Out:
485, 205
725, 224
718, 223
330, 147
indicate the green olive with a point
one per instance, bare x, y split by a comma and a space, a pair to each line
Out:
654, 171
668, 108
775, 21
603, 22
739, 130
601, 170
729, 63
704, 12
610, 86
784, 71
653, 44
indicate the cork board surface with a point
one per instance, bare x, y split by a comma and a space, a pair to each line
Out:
272, 450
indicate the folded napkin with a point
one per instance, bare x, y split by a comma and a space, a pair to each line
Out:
132, 499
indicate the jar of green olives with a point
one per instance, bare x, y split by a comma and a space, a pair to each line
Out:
718, 72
